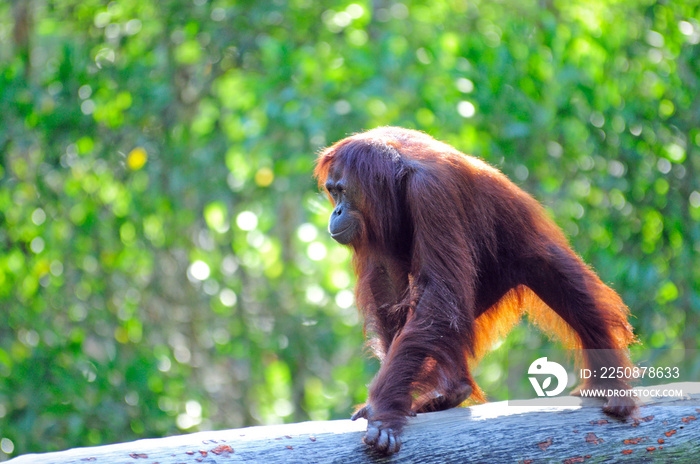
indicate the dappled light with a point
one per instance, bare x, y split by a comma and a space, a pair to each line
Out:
165, 262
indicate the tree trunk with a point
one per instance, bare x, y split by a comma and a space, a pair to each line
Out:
666, 430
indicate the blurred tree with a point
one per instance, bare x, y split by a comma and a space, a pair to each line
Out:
164, 264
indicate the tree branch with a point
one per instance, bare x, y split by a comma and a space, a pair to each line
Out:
666, 430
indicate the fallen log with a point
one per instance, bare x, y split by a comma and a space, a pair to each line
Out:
667, 429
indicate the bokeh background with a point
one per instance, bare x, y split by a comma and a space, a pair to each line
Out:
164, 261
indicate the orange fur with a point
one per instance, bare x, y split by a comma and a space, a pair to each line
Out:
449, 254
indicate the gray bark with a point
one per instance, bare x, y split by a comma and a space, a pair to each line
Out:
666, 430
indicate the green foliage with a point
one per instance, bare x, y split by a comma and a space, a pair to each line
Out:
164, 264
